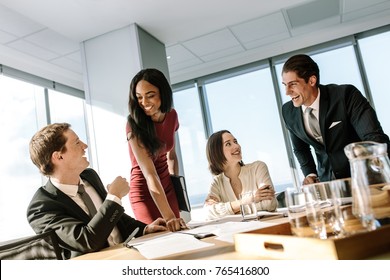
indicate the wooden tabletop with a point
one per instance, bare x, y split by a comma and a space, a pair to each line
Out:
220, 251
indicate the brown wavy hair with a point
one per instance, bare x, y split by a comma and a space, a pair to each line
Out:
214, 152
44, 143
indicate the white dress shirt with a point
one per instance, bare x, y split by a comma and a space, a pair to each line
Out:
71, 191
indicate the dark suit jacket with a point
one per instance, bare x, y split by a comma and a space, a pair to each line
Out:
345, 117
78, 234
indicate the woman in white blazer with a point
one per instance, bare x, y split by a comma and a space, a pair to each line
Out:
233, 177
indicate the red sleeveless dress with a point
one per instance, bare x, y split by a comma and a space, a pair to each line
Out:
141, 201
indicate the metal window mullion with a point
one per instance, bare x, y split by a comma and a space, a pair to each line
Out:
287, 142
47, 106
363, 74
204, 107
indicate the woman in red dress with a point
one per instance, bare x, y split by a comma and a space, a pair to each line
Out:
151, 127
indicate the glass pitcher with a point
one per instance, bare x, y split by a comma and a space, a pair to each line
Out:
370, 176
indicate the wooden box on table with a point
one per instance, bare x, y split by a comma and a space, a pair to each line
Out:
277, 242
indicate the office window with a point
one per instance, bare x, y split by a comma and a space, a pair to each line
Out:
376, 58
246, 106
60, 104
192, 144
22, 113
20, 118
337, 66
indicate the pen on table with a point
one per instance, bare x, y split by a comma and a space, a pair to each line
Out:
131, 236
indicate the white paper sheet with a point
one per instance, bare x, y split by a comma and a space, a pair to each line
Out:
236, 218
170, 244
147, 238
225, 231
165, 244
229, 218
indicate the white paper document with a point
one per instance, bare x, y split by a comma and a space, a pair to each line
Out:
170, 244
229, 218
236, 218
164, 244
225, 231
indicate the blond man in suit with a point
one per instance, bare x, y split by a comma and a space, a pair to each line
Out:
60, 155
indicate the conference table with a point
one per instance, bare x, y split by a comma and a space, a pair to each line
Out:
220, 250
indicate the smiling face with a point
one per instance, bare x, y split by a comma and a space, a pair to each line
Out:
74, 158
300, 92
231, 149
148, 97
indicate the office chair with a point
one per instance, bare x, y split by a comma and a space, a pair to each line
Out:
281, 198
42, 246
179, 184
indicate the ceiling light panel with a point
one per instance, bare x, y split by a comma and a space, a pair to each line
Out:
261, 31
312, 12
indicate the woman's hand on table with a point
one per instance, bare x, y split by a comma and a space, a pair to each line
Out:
265, 192
176, 224
157, 225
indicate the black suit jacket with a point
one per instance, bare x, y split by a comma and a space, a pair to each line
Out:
51, 209
345, 117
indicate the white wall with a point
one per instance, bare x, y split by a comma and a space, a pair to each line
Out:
109, 63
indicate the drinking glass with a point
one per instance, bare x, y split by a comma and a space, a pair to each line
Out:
342, 199
248, 206
305, 219
314, 212
321, 193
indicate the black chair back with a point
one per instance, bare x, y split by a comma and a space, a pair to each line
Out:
38, 247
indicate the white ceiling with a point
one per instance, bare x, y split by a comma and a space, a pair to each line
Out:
201, 37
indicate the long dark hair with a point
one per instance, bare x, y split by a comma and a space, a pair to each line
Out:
142, 126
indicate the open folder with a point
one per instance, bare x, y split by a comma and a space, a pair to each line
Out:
181, 192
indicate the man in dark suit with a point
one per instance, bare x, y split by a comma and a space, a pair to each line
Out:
344, 116
60, 155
